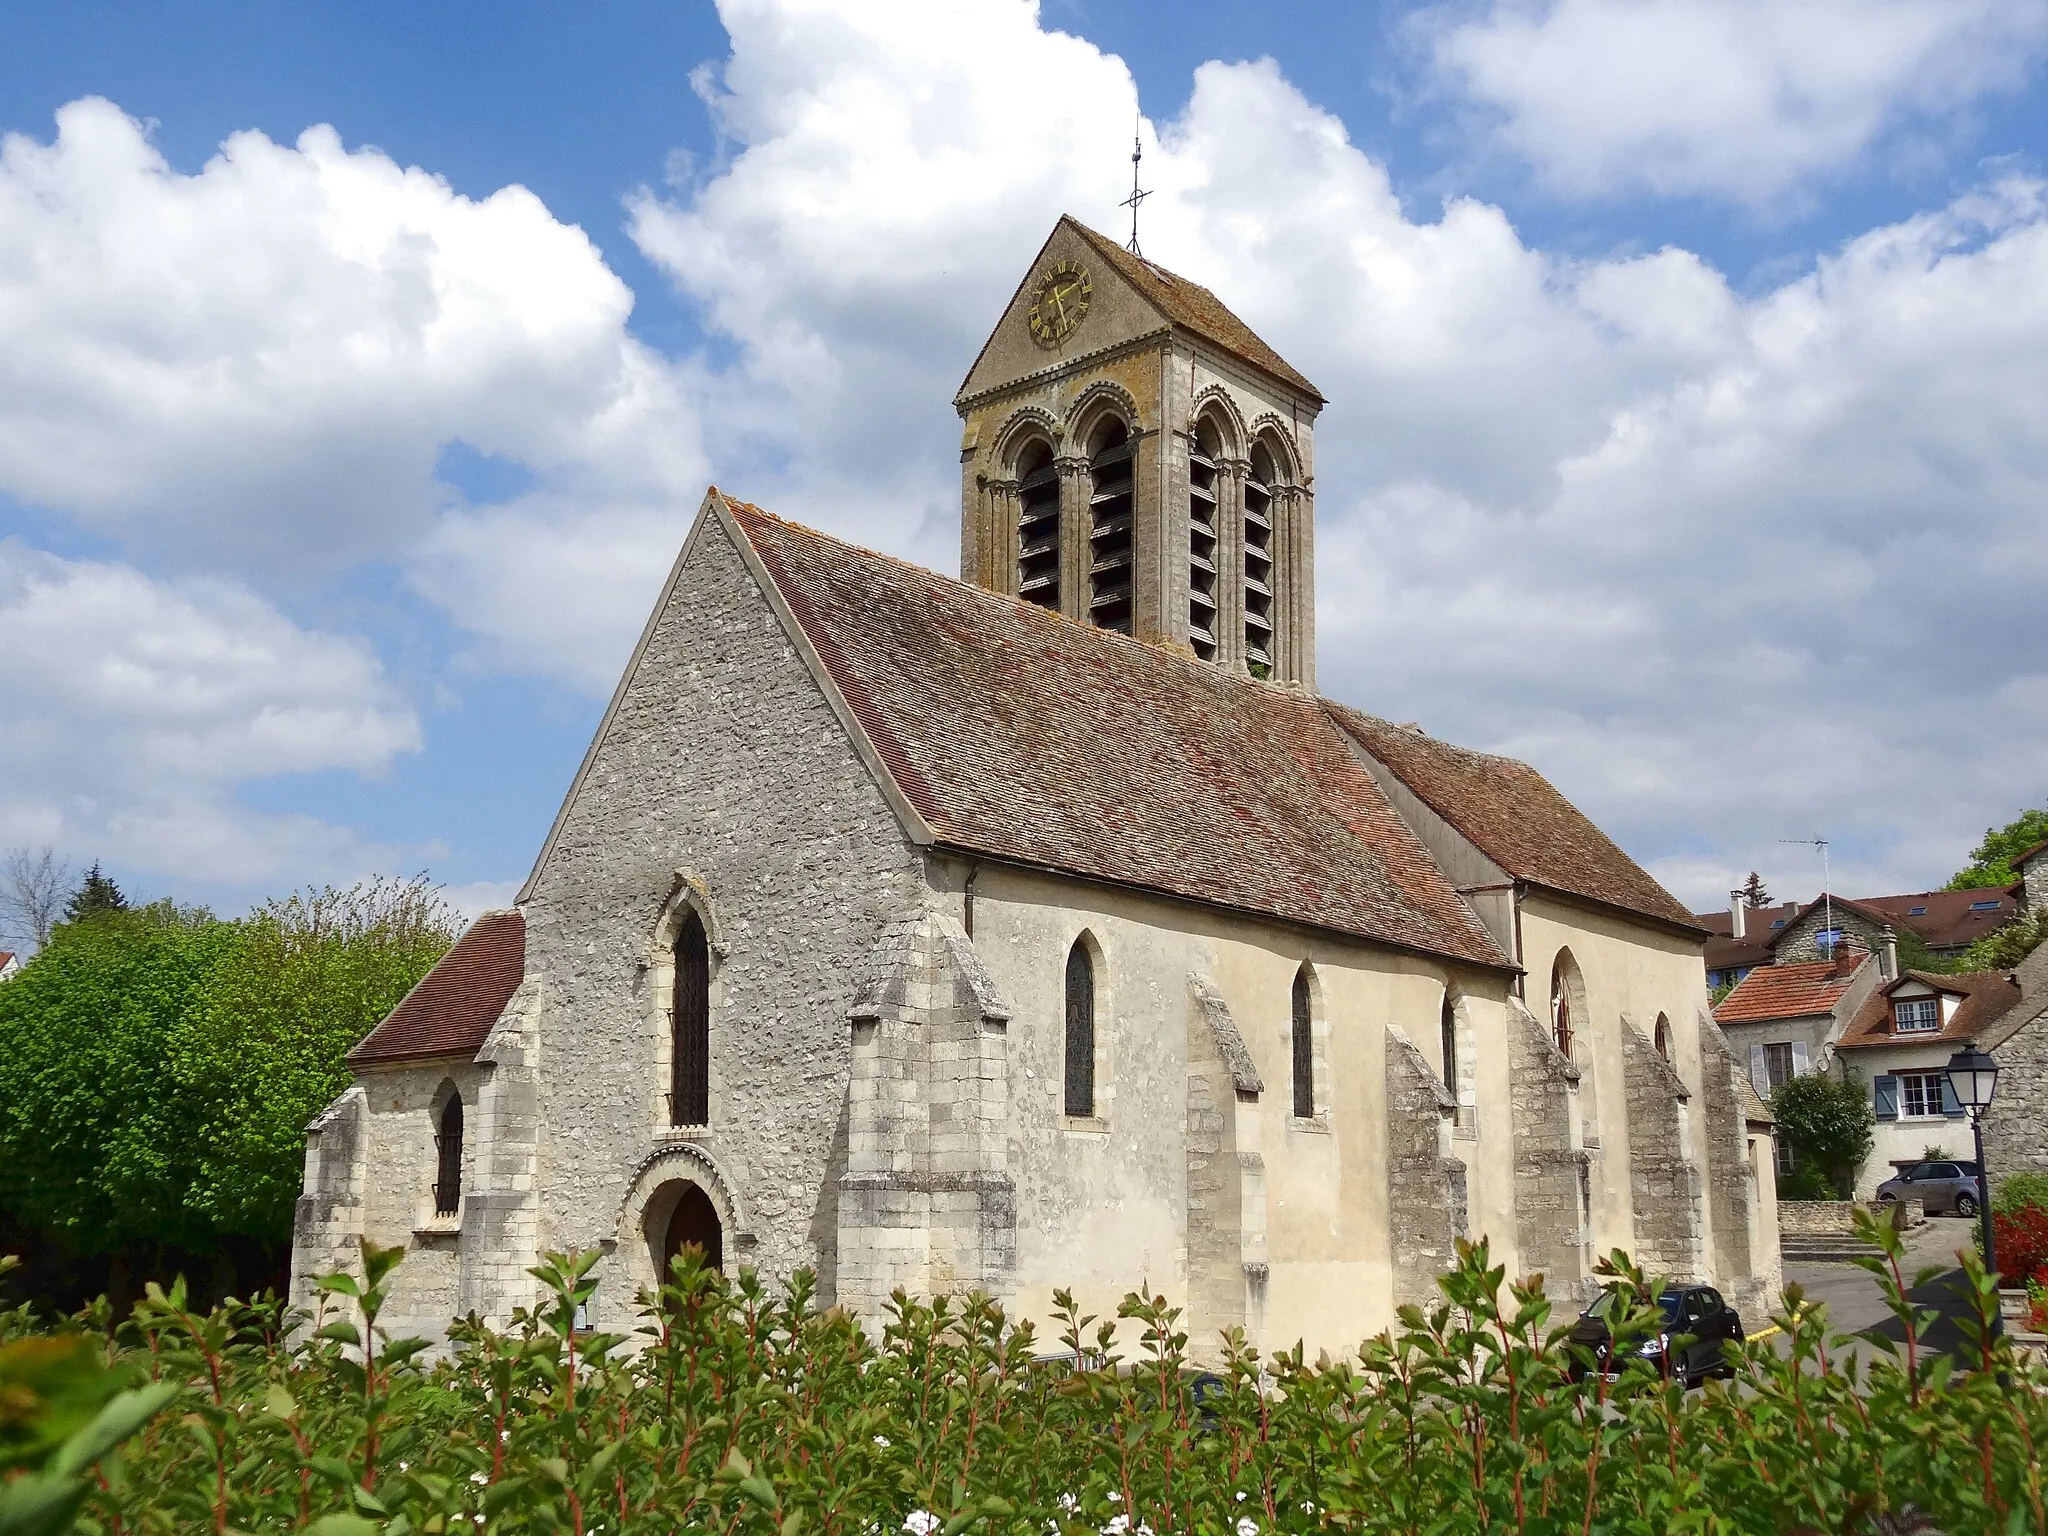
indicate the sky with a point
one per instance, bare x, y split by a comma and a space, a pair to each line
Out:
363, 366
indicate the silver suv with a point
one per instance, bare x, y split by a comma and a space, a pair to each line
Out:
1943, 1189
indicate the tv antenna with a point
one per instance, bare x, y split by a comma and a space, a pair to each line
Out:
1827, 895
1137, 196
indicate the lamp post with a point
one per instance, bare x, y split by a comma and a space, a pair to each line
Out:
1973, 1078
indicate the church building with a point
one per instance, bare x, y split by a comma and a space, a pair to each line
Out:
1046, 928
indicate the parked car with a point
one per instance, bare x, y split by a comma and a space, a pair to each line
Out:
1690, 1344
1948, 1188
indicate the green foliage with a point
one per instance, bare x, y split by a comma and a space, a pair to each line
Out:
158, 1066
61, 1410
2019, 1191
96, 896
1753, 892
1829, 1126
1991, 860
747, 1411
2008, 944
1914, 955
1806, 1181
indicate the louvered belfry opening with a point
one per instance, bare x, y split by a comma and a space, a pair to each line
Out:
1080, 1073
1302, 1039
1111, 466
1203, 515
690, 1028
1038, 527
448, 1158
1258, 564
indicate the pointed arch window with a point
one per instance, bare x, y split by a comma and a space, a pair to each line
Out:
690, 1028
1302, 1039
1561, 1022
448, 1158
1259, 649
1205, 517
1112, 467
1038, 527
1663, 1037
1080, 1062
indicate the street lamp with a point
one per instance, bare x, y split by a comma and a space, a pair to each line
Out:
1973, 1079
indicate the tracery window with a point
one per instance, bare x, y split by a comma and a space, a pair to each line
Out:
1303, 1040
1111, 469
448, 1158
1038, 527
689, 1096
1258, 564
1080, 1041
1204, 519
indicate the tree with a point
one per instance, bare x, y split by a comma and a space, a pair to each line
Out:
1991, 861
1753, 893
32, 882
96, 896
1914, 955
2008, 944
1828, 1124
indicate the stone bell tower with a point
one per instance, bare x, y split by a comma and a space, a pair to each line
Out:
1135, 458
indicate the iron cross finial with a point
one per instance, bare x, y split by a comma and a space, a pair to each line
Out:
1137, 196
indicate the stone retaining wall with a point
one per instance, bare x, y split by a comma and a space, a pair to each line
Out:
1828, 1217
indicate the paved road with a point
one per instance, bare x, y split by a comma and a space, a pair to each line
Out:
1855, 1302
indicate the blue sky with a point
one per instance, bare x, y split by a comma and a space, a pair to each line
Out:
1689, 413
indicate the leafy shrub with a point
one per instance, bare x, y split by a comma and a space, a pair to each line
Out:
1806, 1182
1829, 1126
2022, 1238
746, 1411
2017, 1191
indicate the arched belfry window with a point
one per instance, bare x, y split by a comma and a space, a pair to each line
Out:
1038, 527
1302, 1041
689, 1096
448, 1158
1080, 1063
1112, 465
1563, 1028
1204, 527
1259, 649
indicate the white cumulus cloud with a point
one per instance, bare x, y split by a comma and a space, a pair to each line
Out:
1742, 99
131, 710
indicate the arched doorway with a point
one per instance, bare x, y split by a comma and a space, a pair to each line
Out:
693, 1221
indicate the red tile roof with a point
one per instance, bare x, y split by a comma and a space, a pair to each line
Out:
1194, 307
1987, 996
1725, 951
455, 1004
1790, 991
1514, 816
1949, 921
1018, 734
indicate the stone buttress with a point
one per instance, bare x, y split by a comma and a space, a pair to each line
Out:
1426, 1193
1226, 1174
1553, 1172
1664, 1182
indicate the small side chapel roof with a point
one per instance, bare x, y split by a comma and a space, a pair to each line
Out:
1516, 817
452, 1009
1194, 307
1017, 734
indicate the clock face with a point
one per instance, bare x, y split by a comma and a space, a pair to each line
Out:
1058, 303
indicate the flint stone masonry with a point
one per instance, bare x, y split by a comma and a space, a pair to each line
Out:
1664, 1182
1426, 1206
721, 756
1552, 1172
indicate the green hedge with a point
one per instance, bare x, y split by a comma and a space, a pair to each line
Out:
746, 1411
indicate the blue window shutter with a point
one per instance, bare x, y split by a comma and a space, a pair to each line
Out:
1950, 1104
1886, 1090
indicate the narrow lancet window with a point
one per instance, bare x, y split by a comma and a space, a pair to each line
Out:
1258, 565
1204, 516
1111, 467
1038, 528
1447, 1027
1304, 1042
448, 1158
1561, 1023
689, 1096
1080, 1074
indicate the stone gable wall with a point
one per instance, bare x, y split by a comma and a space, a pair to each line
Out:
1796, 945
2016, 1125
723, 758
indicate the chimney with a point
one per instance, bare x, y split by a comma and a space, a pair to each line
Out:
1738, 915
1888, 967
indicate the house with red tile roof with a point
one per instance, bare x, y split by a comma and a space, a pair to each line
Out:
10, 965
1046, 929
1947, 922
1897, 1046
1785, 1020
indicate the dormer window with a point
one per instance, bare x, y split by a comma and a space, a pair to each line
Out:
1916, 1015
